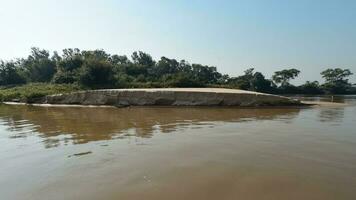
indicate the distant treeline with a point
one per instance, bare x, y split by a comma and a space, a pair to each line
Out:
98, 69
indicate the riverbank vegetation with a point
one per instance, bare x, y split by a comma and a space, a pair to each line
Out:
32, 91
42, 73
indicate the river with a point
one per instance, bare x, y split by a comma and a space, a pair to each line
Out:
52, 153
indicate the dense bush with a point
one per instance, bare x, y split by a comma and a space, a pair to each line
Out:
10, 74
98, 69
97, 74
311, 88
30, 91
336, 81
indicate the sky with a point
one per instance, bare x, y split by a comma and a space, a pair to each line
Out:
233, 35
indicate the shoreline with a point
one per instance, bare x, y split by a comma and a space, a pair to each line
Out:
304, 104
168, 97
171, 97
324, 104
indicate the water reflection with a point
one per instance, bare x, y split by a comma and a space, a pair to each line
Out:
334, 115
82, 125
348, 99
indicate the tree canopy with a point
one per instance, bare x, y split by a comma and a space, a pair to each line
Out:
99, 69
283, 77
336, 80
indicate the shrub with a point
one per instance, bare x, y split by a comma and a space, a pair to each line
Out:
97, 74
27, 93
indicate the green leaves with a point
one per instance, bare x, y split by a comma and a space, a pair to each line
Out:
336, 75
336, 81
11, 74
98, 69
283, 77
29, 92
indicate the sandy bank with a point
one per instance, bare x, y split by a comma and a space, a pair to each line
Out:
323, 104
167, 97
303, 104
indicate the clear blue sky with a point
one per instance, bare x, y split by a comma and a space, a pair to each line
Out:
269, 35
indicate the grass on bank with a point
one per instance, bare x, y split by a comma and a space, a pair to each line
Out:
26, 93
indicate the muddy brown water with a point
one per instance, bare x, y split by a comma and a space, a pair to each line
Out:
178, 153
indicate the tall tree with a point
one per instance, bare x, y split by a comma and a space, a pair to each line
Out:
311, 87
254, 81
142, 58
10, 73
166, 66
38, 66
243, 82
336, 75
260, 84
97, 74
336, 80
283, 77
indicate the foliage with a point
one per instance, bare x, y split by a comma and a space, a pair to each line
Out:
251, 80
336, 81
183, 80
38, 67
36, 90
243, 82
283, 77
260, 84
10, 74
98, 69
97, 74
141, 58
336, 75
311, 88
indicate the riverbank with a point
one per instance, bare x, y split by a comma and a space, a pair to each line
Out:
68, 95
314, 104
167, 97
75, 95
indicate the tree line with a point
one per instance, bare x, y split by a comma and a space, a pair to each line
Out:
98, 69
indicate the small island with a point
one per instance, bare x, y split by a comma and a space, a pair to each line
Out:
95, 77
168, 97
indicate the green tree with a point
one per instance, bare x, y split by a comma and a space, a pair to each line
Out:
283, 77
142, 58
183, 80
336, 75
38, 66
99, 69
97, 74
205, 74
68, 66
242, 82
119, 60
98, 54
336, 80
260, 84
311, 87
254, 81
166, 66
10, 74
